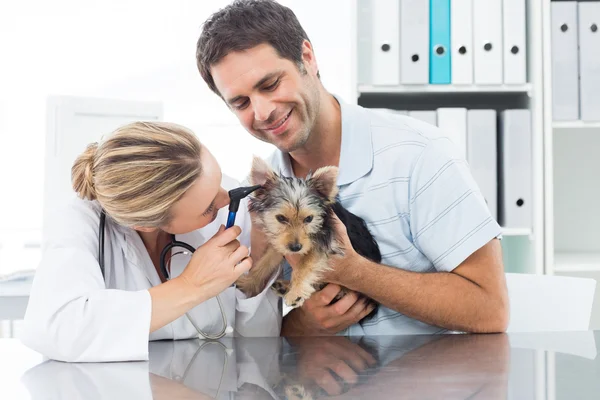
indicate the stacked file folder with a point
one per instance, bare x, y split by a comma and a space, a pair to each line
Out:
498, 147
575, 58
460, 42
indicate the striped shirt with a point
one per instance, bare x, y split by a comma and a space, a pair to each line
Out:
405, 178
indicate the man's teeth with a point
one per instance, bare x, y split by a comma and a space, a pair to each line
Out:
281, 123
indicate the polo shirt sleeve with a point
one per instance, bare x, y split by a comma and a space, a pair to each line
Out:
449, 218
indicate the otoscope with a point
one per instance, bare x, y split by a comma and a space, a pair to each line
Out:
235, 195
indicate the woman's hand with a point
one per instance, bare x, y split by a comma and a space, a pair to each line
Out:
214, 265
213, 268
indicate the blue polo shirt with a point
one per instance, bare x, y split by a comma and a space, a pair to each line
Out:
406, 179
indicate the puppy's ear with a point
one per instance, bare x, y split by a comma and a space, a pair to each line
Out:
324, 181
261, 172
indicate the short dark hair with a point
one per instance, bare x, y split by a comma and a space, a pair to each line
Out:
243, 25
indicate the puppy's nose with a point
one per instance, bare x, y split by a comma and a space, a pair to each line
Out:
295, 247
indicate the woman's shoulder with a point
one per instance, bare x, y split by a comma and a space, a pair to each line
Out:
76, 216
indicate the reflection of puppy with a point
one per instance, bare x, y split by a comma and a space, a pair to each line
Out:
296, 216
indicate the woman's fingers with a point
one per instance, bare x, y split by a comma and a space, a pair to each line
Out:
244, 266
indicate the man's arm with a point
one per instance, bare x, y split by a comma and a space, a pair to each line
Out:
472, 298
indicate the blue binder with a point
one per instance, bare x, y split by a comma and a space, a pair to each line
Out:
439, 50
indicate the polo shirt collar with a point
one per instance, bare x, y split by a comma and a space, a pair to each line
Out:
356, 157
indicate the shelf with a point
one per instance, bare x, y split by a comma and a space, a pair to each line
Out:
516, 231
577, 262
415, 89
575, 125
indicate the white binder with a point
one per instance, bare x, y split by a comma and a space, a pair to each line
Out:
514, 45
414, 41
453, 122
461, 38
386, 42
589, 60
564, 59
515, 189
429, 116
487, 42
364, 42
482, 154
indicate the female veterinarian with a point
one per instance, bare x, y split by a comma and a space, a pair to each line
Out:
105, 286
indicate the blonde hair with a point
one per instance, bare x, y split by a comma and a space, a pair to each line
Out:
139, 171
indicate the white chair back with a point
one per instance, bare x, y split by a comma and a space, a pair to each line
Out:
545, 303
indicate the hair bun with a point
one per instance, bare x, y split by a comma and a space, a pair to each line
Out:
82, 173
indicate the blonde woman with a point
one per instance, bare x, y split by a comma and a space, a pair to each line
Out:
156, 183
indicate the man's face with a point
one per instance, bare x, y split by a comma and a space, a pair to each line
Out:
274, 100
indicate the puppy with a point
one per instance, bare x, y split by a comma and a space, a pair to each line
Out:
297, 217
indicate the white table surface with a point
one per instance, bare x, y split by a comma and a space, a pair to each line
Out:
514, 366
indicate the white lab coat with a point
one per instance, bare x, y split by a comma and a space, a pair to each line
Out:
75, 315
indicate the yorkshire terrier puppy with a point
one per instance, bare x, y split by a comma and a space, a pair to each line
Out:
297, 217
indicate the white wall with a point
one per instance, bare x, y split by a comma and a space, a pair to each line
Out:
136, 50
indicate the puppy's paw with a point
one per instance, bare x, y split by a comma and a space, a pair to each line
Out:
280, 287
293, 300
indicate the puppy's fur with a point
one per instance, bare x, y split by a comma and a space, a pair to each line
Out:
296, 216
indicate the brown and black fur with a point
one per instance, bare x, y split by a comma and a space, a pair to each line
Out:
297, 217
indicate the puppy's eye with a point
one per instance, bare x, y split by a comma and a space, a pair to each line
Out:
281, 218
308, 219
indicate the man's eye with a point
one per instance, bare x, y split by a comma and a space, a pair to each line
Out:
241, 106
272, 86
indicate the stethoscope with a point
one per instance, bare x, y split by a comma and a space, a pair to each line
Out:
235, 195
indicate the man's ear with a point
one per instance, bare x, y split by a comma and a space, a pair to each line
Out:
324, 181
261, 172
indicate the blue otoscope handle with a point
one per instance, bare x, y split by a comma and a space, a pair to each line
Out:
230, 219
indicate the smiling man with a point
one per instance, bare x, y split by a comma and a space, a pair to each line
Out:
442, 264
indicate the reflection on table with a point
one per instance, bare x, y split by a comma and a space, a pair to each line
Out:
382, 367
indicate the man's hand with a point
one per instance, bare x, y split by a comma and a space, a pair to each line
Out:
317, 317
321, 359
350, 258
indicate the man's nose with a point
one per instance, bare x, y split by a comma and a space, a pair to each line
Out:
263, 108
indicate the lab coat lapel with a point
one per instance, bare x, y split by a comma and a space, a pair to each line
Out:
136, 254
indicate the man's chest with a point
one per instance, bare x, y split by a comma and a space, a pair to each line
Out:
384, 205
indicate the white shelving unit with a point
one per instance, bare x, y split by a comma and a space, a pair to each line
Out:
575, 125
572, 188
576, 262
526, 88
523, 247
